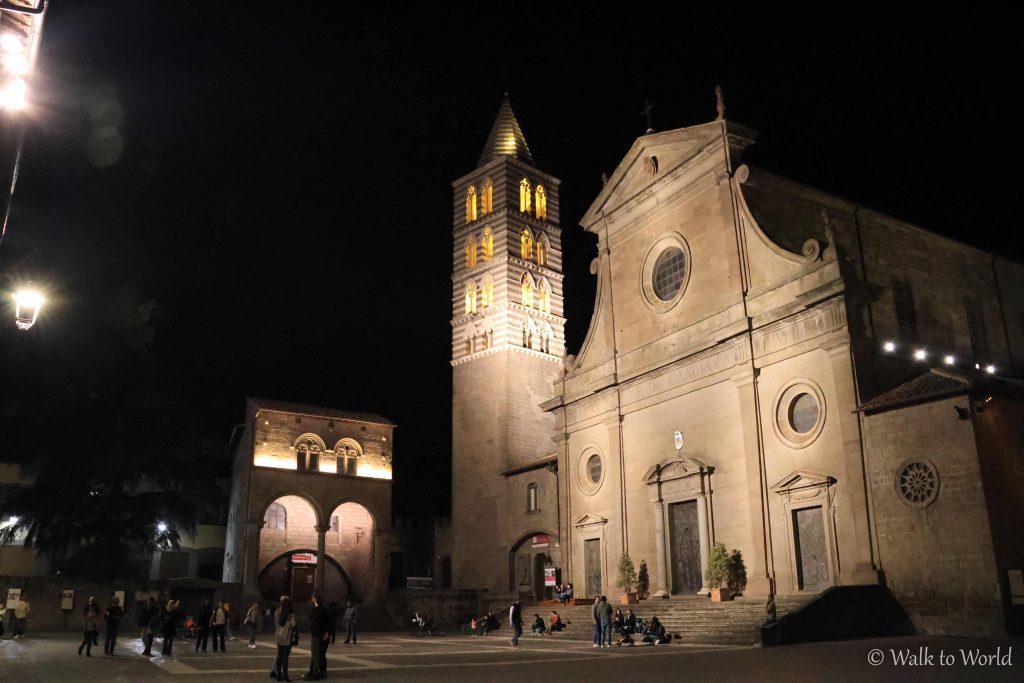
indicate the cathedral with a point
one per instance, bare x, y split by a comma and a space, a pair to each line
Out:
825, 388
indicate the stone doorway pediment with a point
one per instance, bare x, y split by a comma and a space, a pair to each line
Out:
588, 519
676, 468
801, 480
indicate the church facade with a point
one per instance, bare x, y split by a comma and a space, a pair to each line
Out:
767, 367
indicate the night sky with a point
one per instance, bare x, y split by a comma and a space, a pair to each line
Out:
279, 181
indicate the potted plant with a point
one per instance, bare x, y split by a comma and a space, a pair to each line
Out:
626, 579
737, 573
643, 580
719, 566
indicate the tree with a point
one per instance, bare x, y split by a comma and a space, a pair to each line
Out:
719, 565
643, 579
626, 577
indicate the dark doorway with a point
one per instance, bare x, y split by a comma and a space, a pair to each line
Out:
809, 546
396, 571
684, 539
592, 564
302, 583
539, 560
446, 572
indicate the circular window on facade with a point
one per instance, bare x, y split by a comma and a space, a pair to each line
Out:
665, 272
917, 483
590, 470
799, 413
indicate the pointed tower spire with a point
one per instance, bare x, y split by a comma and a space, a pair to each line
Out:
506, 137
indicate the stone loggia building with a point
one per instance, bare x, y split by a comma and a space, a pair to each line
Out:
310, 504
820, 386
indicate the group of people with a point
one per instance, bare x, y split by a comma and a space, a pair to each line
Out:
322, 627
18, 615
563, 593
553, 625
625, 625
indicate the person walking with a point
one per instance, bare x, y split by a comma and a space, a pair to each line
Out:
597, 621
349, 621
169, 624
90, 625
515, 618
152, 627
144, 616
112, 618
21, 611
252, 622
218, 624
319, 635
332, 622
203, 626
284, 629
604, 611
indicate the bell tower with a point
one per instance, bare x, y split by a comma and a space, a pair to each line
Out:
508, 339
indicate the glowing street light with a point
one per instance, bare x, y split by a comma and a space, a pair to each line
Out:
949, 360
990, 369
920, 354
161, 527
14, 94
27, 303
889, 346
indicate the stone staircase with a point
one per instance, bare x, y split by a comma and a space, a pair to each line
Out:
690, 619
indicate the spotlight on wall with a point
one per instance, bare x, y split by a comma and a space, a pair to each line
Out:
920, 354
889, 346
990, 369
949, 360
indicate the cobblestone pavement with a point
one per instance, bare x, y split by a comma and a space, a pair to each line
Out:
393, 657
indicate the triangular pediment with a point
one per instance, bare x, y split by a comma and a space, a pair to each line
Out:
676, 468
588, 519
800, 479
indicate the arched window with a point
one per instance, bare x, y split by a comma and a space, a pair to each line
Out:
526, 244
541, 203
470, 252
487, 292
471, 204
307, 454
487, 245
471, 297
276, 517
546, 334
470, 336
348, 452
528, 288
544, 296
487, 197
487, 333
529, 333
543, 246
524, 195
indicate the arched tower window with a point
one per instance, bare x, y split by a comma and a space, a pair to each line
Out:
470, 252
471, 297
541, 203
470, 336
528, 287
486, 329
544, 296
529, 333
524, 195
471, 204
348, 452
487, 245
487, 292
526, 244
543, 246
276, 517
487, 197
307, 453
546, 334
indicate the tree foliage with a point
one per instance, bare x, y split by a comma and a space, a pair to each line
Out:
626, 577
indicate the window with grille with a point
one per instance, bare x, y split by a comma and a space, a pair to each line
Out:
276, 517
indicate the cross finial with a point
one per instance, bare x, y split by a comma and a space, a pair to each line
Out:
720, 103
646, 112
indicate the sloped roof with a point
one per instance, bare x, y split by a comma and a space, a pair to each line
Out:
319, 411
930, 386
536, 464
506, 137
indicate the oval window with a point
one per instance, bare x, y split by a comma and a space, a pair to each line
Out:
594, 468
803, 413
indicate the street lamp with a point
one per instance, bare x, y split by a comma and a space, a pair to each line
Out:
27, 303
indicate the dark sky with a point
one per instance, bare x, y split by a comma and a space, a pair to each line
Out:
280, 180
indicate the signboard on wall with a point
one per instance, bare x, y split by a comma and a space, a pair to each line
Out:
120, 597
303, 558
13, 597
67, 599
549, 576
540, 541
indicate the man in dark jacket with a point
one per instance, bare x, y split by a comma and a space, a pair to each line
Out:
203, 626
112, 617
144, 618
515, 618
320, 634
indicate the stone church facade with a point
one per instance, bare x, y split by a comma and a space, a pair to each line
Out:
768, 367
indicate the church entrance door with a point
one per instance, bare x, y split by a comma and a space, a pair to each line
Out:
684, 538
809, 546
592, 565
302, 584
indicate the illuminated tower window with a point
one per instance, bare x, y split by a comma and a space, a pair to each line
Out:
526, 244
470, 252
542, 250
529, 333
546, 334
471, 297
487, 197
487, 292
524, 195
528, 288
544, 296
541, 203
487, 245
307, 455
471, 204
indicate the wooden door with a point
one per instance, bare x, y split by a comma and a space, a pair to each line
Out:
302, 584
592, 565
809, 547
684, 539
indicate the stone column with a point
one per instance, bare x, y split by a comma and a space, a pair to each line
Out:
704, 532
321, 556
661, 567
251, 557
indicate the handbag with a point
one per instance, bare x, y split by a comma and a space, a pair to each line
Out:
295, 635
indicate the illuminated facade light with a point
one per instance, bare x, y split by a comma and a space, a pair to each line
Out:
990, 369
949, 360
26, 308
13, 94
11, 43
920, 354
15, 64
889, 346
